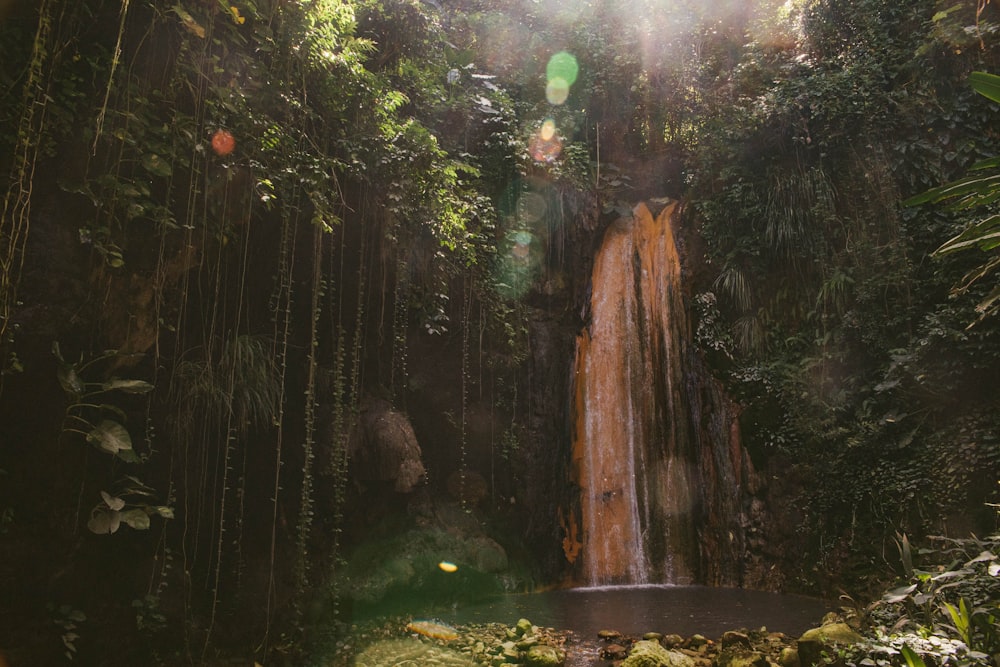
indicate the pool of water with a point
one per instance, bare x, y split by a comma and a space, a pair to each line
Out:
634, 610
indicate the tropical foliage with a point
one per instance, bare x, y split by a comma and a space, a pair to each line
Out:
227, 225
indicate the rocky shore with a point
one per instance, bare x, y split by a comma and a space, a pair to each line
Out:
527, 645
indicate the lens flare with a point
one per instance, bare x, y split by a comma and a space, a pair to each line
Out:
448, 566
223, 142
545, 144
518, 268
521, 249
563, 66
548, 131
557, 91
531, 207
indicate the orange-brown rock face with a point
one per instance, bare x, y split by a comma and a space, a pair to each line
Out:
649, 435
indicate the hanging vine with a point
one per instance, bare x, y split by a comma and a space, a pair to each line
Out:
14, 219
400, 310
306, 499
281, 309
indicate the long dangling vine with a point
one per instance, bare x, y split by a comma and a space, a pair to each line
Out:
115, 60
466, 315
16, 211
400, 309
308, 454
281, 307
337, 467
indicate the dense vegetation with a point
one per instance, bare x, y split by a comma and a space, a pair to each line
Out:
229, 228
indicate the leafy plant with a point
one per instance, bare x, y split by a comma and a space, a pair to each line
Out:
130, 505
961, 584
107, 434
67, 618
977, 191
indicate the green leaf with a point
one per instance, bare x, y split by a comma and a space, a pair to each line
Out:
110, 436
69, 380
987, 85
127, 386
164, 511
977, 186
912, 659
112, 502
156, 165
128, 456
985, 234
899, 594
104, 522
136, 518
982, 557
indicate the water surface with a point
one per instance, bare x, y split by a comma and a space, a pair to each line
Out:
634, 610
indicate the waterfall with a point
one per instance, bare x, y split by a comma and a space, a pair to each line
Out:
656, 452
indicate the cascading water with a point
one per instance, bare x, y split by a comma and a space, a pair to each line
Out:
656, 452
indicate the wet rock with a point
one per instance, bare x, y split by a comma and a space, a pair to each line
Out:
542, 655
647, 653
523, 627
526, 643
741, 657
655, 636
697, 641
608, 635
813, 643
670, 641
509, 652
789, 657
733, 639
614, 652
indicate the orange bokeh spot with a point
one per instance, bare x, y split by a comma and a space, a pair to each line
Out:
223, 142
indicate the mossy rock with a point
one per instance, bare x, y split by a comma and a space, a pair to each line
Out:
393, 652
542, 655
648, 653
813, 643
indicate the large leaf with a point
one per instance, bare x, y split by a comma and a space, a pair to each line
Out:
69, 380
898, 594
987, 85
985, 234
911, 657
111, 501
977, 189
136, 518
104, 522
110, 436
164, 511
127, 386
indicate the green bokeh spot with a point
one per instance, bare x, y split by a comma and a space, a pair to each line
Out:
562, 65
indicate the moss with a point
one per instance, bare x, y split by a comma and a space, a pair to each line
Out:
649, 653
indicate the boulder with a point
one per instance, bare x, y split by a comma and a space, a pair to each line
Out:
542, 655
384, 448
648, 653
813, 643
741, 657
789, 657
614, 652
733, 639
